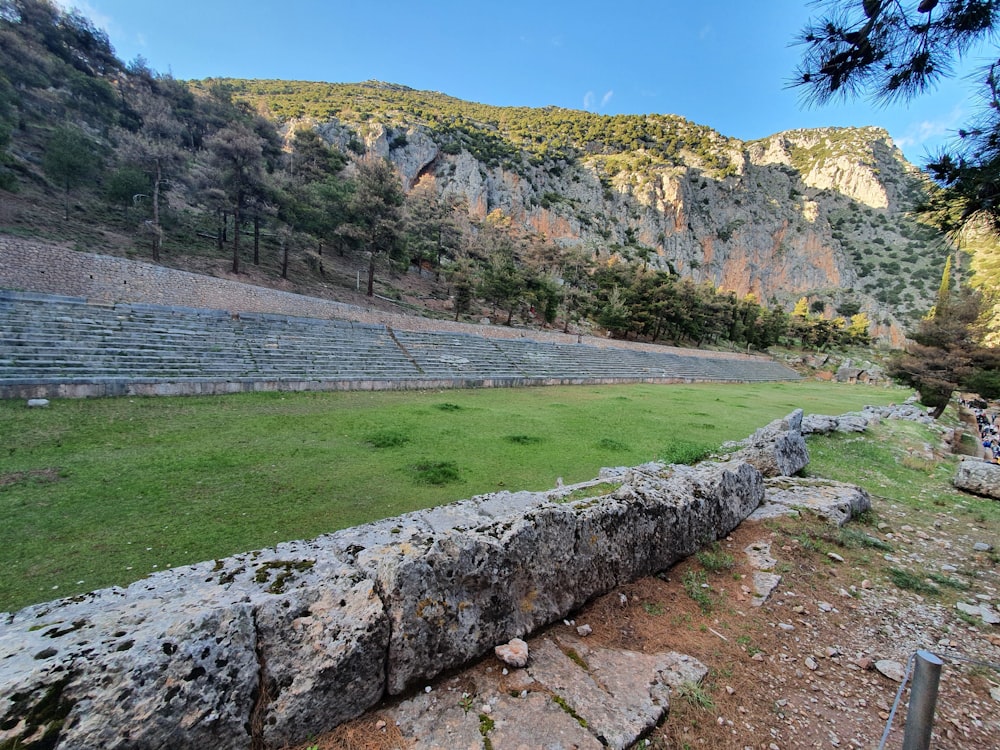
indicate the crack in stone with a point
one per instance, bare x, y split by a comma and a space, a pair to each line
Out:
261, 696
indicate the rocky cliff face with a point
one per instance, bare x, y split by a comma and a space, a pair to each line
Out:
823, 213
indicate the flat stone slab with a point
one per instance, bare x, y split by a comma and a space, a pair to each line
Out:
759, 555
614, 722
836, 502
570, 697
764, 585
440, 720
765, 580
537, 721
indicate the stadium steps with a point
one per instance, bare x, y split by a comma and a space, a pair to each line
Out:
54, 345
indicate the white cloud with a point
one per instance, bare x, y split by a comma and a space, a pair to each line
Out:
590, 100
930, 131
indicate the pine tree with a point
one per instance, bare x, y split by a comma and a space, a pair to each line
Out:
944, 289
375, 215
69, 160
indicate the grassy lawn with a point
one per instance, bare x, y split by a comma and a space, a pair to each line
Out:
105, 491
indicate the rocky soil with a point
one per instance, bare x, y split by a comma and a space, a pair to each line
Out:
818, 665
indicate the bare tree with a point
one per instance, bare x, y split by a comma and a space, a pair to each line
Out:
156, 149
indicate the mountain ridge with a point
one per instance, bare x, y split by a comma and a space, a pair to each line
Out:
714, 215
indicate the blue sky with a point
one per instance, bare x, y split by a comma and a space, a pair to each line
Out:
720, 63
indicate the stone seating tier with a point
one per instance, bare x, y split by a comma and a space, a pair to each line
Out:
55, 345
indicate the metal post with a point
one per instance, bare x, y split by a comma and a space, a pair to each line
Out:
923, 698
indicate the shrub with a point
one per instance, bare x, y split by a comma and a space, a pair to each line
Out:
523, 439
683, 452
694, 586
437, 472
387, 439
610, 444
715, 558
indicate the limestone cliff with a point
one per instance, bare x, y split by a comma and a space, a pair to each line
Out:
822, 213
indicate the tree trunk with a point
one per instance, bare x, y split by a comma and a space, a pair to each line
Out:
236, 239
371, 275
156, 212
440, 254
256, 240
284, 259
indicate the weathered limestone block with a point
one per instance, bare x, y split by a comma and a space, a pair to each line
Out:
818, 424
322, 641
775, 450
452, 595
836, 502
979, 477
852, 423
272, 645
127, 671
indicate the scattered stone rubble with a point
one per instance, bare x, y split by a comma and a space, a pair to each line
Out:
860, 421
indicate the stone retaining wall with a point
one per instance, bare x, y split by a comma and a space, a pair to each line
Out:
111, 387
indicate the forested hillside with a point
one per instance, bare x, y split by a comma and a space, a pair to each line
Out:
644, 226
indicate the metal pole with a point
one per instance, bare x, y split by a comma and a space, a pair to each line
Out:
923, 698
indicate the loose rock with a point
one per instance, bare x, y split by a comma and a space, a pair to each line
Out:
979, 477
891, 669
514, 653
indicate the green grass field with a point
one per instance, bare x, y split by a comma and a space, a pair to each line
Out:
105, 491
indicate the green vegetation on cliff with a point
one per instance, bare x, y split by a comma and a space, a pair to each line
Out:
492, 134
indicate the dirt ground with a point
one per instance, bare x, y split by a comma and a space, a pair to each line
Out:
799, 671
